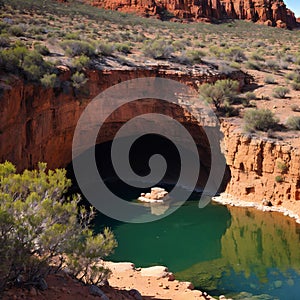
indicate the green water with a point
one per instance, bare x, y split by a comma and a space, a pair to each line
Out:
238, 252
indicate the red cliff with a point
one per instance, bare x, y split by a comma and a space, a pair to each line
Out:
270, 12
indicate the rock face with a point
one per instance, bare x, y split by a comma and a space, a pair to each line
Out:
38, 124
270, 12
261, 169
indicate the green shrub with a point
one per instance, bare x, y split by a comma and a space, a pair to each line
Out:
49, 80
221, 93
39, 226
253, 65
279, 178
269, 79
105, 49
42, 49
20, 60
293, 123
16, 30
76, 48
295, 86
272, 65
295, 107
81, 62
260, 119
158, 49
4, 40
122, 47
236, 54
78, 80
280, 92
250, 96
256, 56
282, 167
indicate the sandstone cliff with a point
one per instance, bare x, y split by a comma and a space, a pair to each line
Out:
38, 124
261, 167
270, 12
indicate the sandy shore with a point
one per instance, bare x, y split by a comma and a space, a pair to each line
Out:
290, 208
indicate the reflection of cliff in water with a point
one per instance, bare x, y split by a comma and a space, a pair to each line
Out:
257, 241
257, 249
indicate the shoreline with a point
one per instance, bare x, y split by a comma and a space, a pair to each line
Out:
227, 199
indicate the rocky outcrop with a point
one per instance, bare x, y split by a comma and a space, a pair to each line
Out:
261, 168
38, 124
157, 195
270, 12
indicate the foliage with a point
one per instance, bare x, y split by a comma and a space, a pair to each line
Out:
20, 60
49, 80
42, 49
280, 92
75, 48
78, 80
39, 225
158, 49
279, 178
269, 79
293, 123
260, 119
221, 93
282, 167
81, 62
105, 49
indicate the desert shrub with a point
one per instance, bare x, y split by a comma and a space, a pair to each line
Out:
256, 56
42, 49
4, 40
49, 80
282, 167
39, 225
221, 93
260, 119
105, 49
272, 65
158, 49
280, 92
293, 123
123, 47
20, 60
250, 96
253, 65
279, 178
269, 79
16, 30
81, 62
295, 107
72, 36
236, 54
295, 86
78, 80
75, 48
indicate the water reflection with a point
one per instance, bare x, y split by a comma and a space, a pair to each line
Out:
259, 254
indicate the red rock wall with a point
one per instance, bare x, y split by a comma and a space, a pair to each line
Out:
254, 165
271, 12
38, 124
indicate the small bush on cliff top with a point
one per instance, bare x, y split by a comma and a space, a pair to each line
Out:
158, 49
39, 226
293, 123
260, 119
221, 93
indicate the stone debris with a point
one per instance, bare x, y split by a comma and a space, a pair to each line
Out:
95, 291
157, 195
